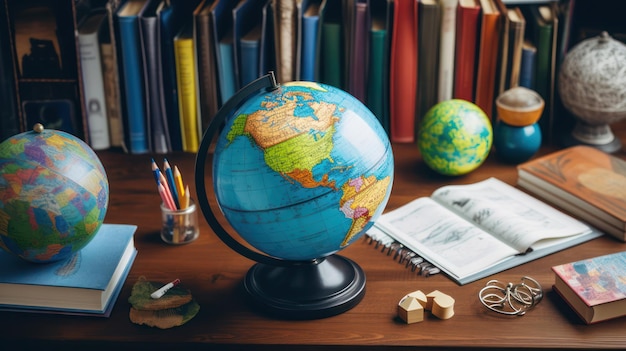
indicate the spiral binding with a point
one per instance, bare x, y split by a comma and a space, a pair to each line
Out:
402, 254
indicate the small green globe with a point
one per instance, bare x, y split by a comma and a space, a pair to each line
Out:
455, 137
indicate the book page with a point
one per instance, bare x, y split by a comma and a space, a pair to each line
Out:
510, 214
453, 244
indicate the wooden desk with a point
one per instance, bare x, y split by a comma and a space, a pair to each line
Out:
214, 274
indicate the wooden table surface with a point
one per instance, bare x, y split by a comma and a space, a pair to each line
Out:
214, 274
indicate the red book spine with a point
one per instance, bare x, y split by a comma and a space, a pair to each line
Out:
403, 72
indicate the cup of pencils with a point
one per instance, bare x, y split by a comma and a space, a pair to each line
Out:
179, 215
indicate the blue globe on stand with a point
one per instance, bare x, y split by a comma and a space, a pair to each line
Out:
300, 171
516, 144
455, 137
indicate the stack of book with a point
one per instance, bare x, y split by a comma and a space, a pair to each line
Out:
587, 182
86, 284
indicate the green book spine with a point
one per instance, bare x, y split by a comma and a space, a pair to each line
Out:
331, 57
375, 84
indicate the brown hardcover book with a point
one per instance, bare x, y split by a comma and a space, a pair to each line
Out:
209, 101
489, 43
594, 287
429, 26
511, 68
587, 182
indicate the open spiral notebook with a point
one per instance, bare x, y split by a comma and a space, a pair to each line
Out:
400, 253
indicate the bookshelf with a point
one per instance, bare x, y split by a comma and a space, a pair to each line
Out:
44, 62
57, 89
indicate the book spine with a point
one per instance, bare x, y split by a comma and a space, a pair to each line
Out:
446, 49
249, 60
133, 85
186, 81
375, 82
309, 45
226, 72
428, 53
527, 68
358, 66
331, 72
208, 98
465, 58
157, 126
93, 90
111, 94
487, 62
403, 74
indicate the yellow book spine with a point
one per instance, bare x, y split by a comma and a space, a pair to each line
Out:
187, 94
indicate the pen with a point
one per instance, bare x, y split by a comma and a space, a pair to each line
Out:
162, 290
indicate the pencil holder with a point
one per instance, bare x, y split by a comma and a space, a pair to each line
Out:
179, 226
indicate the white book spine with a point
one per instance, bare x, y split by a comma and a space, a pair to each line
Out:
93, 91
446, 49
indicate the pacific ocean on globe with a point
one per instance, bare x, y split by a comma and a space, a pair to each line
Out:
54, 194
455, 137
302, 171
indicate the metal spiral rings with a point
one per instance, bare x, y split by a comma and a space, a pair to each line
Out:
511, 299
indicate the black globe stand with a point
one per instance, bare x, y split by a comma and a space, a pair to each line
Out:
316, 289
288, 289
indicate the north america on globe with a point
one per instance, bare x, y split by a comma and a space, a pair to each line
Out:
296, 133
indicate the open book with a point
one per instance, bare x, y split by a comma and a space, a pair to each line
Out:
475, 230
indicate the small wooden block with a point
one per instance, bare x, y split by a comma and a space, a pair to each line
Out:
420, 296
410, 310
442, 305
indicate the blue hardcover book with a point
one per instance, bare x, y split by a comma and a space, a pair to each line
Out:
267, 47
88, 283
171, 16
250, 55
527, 66
158, 131
131, 59
226, 73
222, 15
310, 23
246, 16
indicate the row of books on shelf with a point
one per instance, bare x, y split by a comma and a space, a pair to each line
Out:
154, 72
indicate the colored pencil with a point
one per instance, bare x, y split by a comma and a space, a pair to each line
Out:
170, 181
180, 190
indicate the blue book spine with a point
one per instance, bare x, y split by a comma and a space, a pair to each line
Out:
227, 73
250, 55
527, 67
309, 44
133, 84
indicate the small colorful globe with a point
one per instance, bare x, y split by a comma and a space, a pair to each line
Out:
455, 137
54, 195
302, 171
